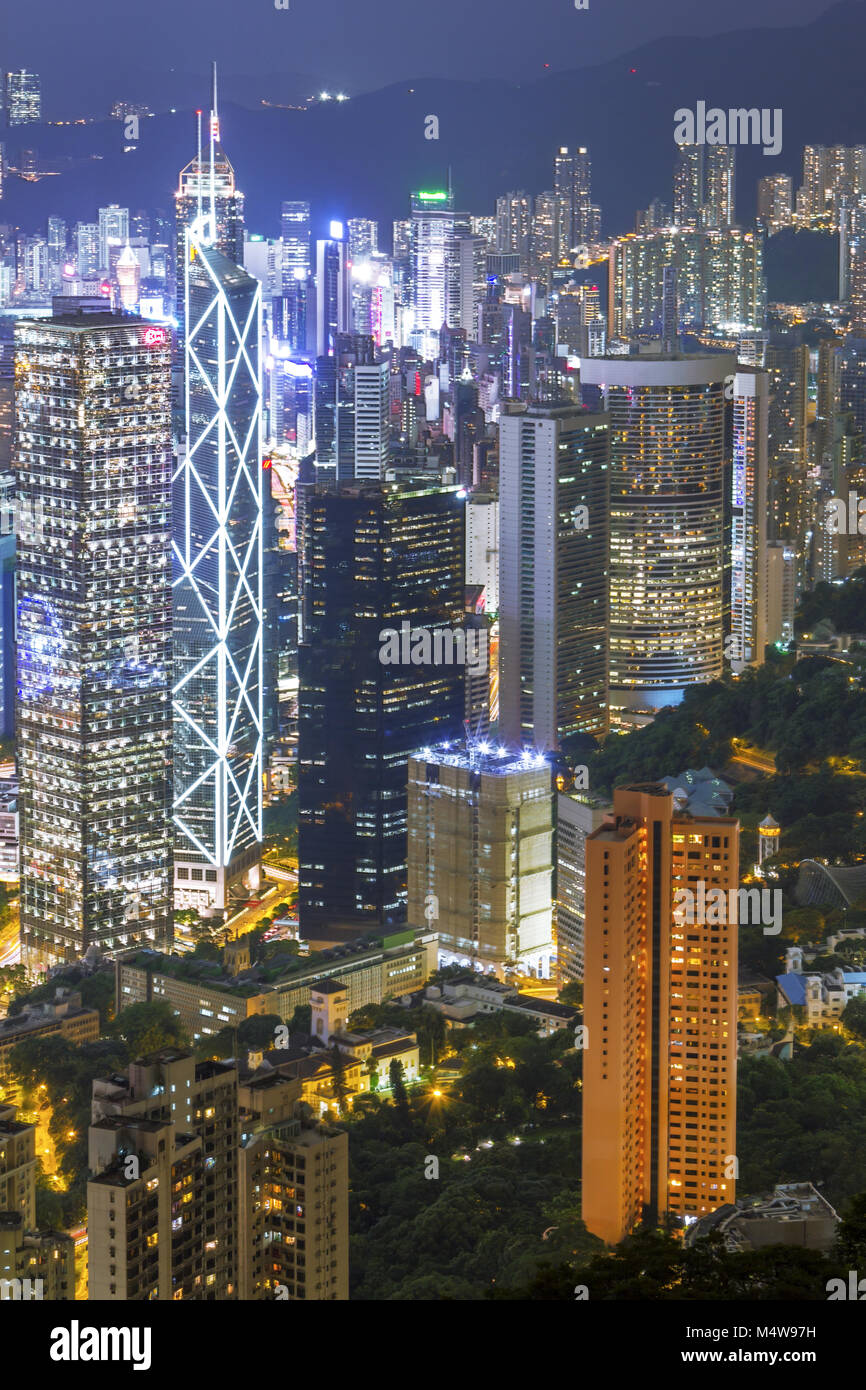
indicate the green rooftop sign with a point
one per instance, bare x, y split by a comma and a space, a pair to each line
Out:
435, 197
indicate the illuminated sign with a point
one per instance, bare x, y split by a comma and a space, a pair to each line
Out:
336, 231
154, 337
105, 288
439, 197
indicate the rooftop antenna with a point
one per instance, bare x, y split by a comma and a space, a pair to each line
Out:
214, 136
198, 118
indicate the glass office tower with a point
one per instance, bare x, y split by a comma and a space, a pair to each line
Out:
93, 469
218, 583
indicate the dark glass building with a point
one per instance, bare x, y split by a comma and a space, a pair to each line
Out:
375, 557
93, 465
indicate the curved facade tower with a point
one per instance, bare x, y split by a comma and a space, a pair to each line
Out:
667, 480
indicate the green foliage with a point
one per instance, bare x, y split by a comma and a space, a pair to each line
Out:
804, 1119
854, 1015
148, 1027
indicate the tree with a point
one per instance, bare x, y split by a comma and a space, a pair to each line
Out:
398, 1084
854, 1015
148, 1027
572, 993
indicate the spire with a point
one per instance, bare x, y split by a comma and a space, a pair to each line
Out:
214, 109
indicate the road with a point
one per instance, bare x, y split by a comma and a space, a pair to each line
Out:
247, 918
281, 874
753, 757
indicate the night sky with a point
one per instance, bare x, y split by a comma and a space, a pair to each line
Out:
88, 49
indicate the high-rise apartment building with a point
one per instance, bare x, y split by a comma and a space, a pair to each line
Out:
93, 466
23, 98
218, 562
481, 854
382, 566
775, 202
688, 187
294, 1198
749, 518
667, 517
514, 225
34, 1264
719, 179
578, 814
830, 174
163, 1201
720, 280
553, 582
660, 1007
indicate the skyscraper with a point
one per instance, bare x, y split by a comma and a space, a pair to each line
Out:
333, 291
166, 1225
218, 562
23, 98
94, 630
553, 524
749, 576
207, 184
688, 186
667, 474
376, 559
720, 280
578, 814
775, 202
481, 854
719, 178
432, 232
295, 234
113, 233
659, 1071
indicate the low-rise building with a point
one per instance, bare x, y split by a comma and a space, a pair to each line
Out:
63, 1015
822, 995
794, 1213
207, 998
471, 996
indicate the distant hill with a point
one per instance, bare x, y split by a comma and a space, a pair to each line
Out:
361, 158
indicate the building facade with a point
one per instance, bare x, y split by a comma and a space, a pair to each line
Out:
93, 468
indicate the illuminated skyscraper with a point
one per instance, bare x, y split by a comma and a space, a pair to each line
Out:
775, 200
23, 98
333, 291
553, 524
688, 186
94, 630
208, 182
749, 577
113, 233
432, 232
218, 581
375, 557
295, 234
667, 472
720, 280
481, 851
659, 1070
719, 178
